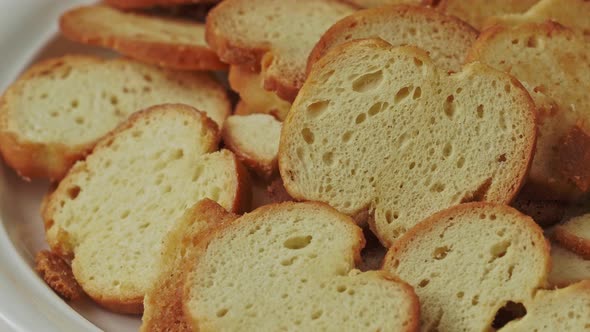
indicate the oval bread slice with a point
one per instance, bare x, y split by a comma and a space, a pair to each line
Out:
552, 62
112, 210
379, 3
172, 43
255, 140
570, 13
57, 110
467, 262
566, 309
381, 129
567, 267
249, 33
295, 263
574, 235
476, 12
446, 39
140, 4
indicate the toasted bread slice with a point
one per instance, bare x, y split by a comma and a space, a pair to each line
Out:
298, 257
566, 309
476, 12
112, 210
255, 140
246, 33
467, 262
567, 267
446, 39
383, 130
243, 109
570, 13
552, 62
249, 85
57, 110
378, 3
140, 4
57, 273
163, 301
574, 154
161, 41
574, 235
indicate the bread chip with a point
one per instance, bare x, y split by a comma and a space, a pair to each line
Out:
570, 13
55, 112
382, 130
57, 273
574, 235
254, 139
552, 62
467, 262
138, 4
246, 33
300, 258
163, 301
112, 210
161, 41
446, 39
476, 12
566, 309
567, 267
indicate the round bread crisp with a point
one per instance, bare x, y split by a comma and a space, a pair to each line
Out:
138, 4
274, 36
467, 262
574, 235
382, 130
112, 210
55, 112
161, 41
476, 12
290, 266
446, 39
552, 62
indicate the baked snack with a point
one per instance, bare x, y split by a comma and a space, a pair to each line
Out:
382, 130
467, 262
567, 267
57, 110
140, 4
111, 211
254, 139
570, 13
163, 300
574, 235
446, 39
378, 3
166, 42
254, 98
566, 309
298, 257
245, 33
551, 61
475, 12
57, 273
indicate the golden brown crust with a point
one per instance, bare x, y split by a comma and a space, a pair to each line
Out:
138, 4
165, 308
57, 273
574, 153
166, 54
432, 221
570, 241
351, 22
263, 169
243, 199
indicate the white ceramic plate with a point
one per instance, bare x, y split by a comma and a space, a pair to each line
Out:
28, 33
